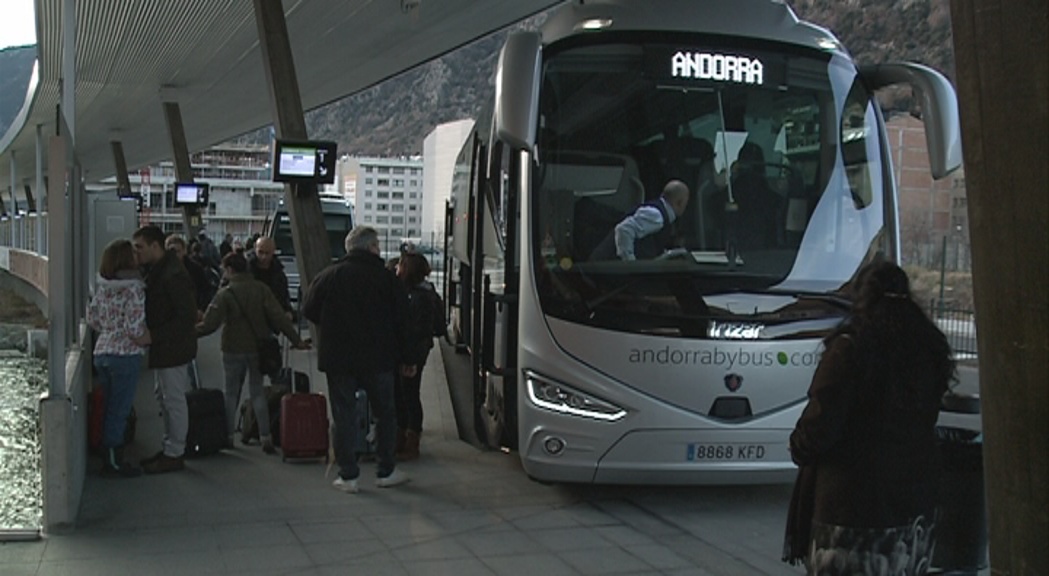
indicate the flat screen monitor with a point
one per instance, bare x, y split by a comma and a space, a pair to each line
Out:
304, 161
191, 194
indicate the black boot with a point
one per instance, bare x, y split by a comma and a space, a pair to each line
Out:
114, 466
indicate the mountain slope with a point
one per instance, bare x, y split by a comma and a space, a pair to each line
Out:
392, 118
16, 66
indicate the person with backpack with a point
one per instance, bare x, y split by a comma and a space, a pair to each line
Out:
423, 307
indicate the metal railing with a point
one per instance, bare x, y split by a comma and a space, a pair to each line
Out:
25, 232
958, 324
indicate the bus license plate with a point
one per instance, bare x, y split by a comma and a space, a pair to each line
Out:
715, 452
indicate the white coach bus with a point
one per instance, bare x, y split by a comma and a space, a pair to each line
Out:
338, 221
690, 367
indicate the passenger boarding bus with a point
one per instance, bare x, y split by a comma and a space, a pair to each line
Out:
690, 367
338, 221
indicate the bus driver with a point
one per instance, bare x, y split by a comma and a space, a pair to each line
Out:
649, 230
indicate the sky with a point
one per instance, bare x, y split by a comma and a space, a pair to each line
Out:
17, 24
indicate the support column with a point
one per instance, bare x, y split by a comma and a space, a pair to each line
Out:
40, 187
123, 182
56, 408
1000, 49
30, 201
183, 167
67, 81
14, 183
312, 250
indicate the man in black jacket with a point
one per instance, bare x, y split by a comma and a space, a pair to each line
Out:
360, 309
171, 315
266, 268
203, 290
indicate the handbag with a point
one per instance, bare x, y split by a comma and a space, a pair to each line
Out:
267, 347
270, 361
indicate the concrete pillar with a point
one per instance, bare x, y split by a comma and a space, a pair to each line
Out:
312, 250
30, 201
41, 231
120, 164
183, 168
56, 423
13, 163
63, 449
40, 189
1000, 50
57, 279
68, 77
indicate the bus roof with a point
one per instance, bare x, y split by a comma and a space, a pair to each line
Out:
758, 19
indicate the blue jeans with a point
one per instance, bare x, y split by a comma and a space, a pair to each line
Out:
118, 376
236, 366
342, 390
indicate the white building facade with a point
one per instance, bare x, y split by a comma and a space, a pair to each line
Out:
440, 149
386, 194
242, 199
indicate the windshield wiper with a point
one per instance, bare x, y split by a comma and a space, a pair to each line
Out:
835, 299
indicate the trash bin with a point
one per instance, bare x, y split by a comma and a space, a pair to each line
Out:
961, 527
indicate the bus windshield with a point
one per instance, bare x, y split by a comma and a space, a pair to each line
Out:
780, 149
337, 226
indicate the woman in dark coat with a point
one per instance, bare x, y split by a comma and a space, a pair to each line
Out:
412, 269
866, 441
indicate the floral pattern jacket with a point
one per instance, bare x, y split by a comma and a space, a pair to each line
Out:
118, 312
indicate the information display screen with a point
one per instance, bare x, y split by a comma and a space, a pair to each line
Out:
309, 161
191, 194
298, 162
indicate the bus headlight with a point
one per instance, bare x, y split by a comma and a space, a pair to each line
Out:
545, 393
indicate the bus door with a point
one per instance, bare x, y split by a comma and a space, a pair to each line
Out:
498, 298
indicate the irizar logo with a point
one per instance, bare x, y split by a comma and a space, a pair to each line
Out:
734, 331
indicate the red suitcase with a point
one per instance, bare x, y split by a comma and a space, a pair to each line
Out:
96, 411
303, 426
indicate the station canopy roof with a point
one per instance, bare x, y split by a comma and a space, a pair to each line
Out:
133, 55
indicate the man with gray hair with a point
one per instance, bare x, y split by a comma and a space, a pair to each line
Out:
361, 312
649, 230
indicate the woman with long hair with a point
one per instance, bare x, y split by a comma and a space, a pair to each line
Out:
866, 442
118, 313
412, 269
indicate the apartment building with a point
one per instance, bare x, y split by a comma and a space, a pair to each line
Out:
386, 194
242, 194
934, 221
440, 149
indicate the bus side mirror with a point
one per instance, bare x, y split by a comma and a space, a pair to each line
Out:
517, 90
939, 109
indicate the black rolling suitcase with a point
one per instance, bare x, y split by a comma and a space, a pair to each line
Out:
293, 380
207, 419
288, 378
